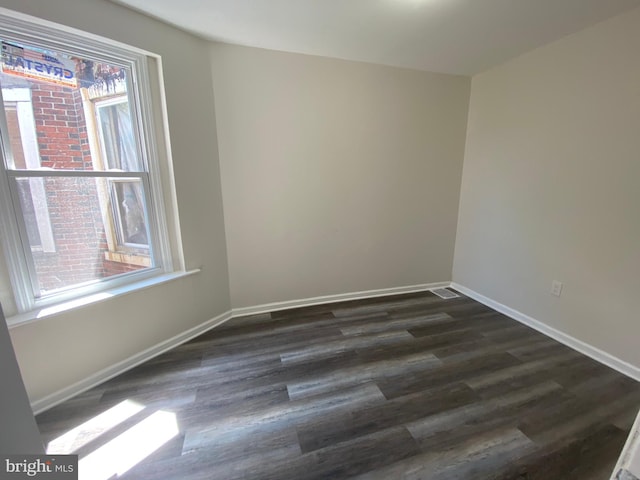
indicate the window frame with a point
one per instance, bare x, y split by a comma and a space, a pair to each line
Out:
147, 110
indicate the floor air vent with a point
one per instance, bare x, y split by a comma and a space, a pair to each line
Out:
445, 293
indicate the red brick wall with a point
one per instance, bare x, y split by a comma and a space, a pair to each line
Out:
60, 127
72, 202
115, 268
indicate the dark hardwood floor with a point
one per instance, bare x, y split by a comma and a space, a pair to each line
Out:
402, 387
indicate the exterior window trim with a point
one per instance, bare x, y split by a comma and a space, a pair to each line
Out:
149, 119
27, 125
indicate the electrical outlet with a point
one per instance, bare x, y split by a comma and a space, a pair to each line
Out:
556, 288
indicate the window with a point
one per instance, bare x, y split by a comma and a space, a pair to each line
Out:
116, 137
81, 200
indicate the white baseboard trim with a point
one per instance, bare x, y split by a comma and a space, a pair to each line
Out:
564, 338
307, 302
53, 399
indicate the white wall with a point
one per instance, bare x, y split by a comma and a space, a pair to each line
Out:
337, 176
20, 433
551, 188
58, 351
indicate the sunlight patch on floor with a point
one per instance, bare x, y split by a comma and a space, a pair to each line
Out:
129, 448
81, 435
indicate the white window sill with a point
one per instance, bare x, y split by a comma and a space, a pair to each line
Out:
57, 309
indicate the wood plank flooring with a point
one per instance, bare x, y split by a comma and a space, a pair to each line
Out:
401, 387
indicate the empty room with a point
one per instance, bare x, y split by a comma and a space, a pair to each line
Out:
320, 239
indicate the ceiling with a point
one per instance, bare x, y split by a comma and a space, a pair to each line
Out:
448, 36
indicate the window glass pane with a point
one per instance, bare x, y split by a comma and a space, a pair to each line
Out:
65, 112
116, 135
80, 211
128, 201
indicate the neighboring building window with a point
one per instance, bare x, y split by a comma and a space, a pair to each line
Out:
117, 140
80, 186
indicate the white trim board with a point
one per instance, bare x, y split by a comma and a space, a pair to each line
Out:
53, 399
341, 297
562, 337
